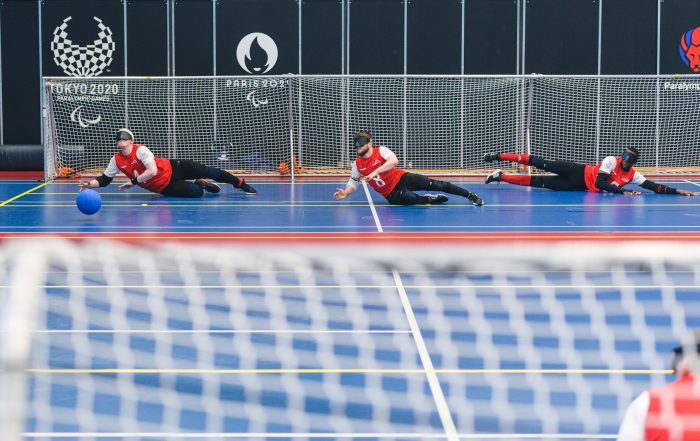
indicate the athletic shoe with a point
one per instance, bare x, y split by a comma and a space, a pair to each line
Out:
245, 188
435, 199
476, 200
492, 157
494, 177
209, 187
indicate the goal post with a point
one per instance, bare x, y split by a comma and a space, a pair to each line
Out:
436, 124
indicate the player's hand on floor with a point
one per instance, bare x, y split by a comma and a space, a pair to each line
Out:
686, 192
634, 193
340, 194
126, 185
83, 185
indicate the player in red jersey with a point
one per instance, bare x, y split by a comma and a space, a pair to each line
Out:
169, 177
670, 412
377, 166
611, 175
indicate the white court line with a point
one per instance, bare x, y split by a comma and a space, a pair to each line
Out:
371, 206
691, 182
190, 435
435, 387
222, 331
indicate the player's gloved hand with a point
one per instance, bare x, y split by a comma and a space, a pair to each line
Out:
634, 193
686, 192
340, 194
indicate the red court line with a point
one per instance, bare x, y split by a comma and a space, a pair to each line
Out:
442, 238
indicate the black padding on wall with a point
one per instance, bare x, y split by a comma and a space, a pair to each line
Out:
434, 37
321, 37
20, 72
147, 38
376, 34
490, 37
561, 37
21, 157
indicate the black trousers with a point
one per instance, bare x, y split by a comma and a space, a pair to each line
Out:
184, 169
405, 191
569, 175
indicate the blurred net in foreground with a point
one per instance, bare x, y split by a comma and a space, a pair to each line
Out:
421, 341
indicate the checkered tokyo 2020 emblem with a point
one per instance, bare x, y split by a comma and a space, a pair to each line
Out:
82, 61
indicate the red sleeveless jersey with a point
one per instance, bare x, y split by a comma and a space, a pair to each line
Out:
383, 183
674, 411
131, 163
618, 176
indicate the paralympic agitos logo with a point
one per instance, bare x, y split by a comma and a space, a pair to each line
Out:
689, 48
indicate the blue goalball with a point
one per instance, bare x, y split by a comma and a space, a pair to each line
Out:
89, 201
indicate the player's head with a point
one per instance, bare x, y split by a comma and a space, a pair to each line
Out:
630, 156
124, 137
362, 140
686, 357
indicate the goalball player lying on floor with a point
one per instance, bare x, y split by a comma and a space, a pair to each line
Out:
169, 177
377, 166
611, 175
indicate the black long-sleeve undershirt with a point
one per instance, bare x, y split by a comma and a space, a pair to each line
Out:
658, 188
601, 183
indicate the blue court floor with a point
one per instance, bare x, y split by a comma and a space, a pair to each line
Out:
166, 347
308, 206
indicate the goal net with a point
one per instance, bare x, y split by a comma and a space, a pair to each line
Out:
405, 342
438, 125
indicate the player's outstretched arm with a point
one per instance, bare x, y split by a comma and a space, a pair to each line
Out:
602, 184
661, 188
100, 181
104, 180
83, 185
341, 193
351, 186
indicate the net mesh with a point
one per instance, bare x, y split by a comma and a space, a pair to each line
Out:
440, 125
179, 339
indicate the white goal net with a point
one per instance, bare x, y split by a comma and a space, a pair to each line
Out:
401, 343
437, 125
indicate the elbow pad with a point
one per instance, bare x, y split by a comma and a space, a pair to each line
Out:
103, 180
